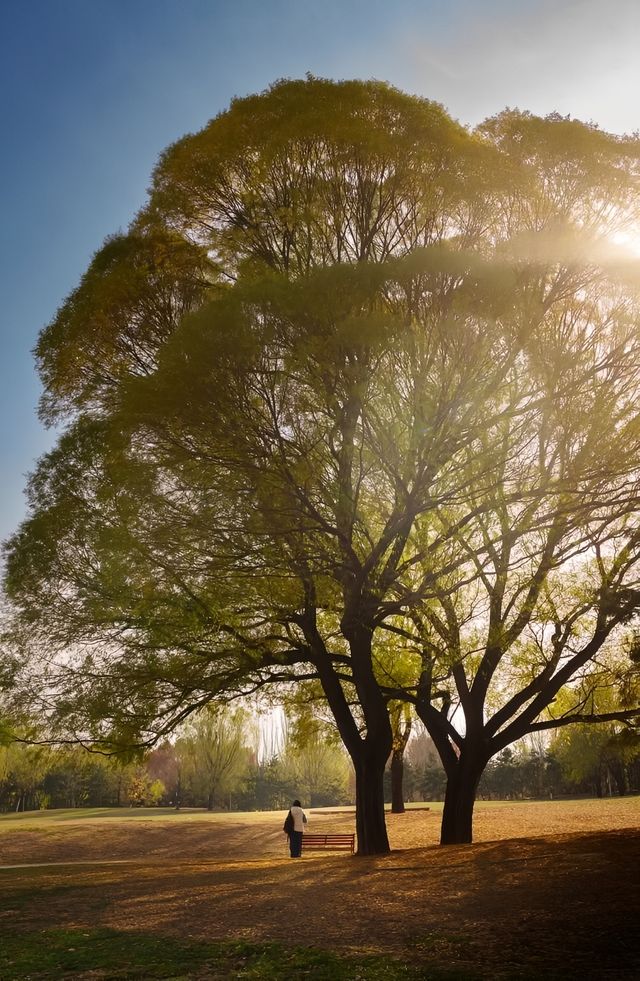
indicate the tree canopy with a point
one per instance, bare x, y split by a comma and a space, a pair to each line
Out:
354, 401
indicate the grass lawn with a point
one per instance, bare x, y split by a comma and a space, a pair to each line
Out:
548, 891
113, 954
78, 815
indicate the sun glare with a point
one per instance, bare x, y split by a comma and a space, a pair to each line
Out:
628, 240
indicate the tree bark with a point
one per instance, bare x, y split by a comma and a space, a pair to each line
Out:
397, 787
369, 754
371, 830
460, 797
369, 757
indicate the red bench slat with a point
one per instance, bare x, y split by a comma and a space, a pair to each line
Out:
329, 841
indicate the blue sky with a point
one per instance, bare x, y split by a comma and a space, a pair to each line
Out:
92, 90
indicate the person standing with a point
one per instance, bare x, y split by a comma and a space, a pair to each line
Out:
294, 826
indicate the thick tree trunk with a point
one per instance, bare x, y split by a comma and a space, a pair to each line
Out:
369, 755
397, 787
371, 829
460, 797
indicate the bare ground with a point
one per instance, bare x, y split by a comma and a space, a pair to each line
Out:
548, 890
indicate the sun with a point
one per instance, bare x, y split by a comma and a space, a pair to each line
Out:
628, 240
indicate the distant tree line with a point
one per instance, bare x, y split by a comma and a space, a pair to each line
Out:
215, 763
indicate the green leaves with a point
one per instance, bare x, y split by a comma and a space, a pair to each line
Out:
353, 372
135, 292
315, 173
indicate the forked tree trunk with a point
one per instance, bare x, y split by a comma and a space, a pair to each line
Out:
397, 781
369, 755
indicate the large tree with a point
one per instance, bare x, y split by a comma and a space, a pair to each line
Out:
357, 382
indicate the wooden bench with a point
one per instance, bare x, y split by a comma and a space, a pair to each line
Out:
313, 842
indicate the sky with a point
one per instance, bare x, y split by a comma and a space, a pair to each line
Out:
91, 91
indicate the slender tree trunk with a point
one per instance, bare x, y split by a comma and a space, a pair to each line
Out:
460, 797
598, 783
210, 800
397, 787
401, 725
618, 774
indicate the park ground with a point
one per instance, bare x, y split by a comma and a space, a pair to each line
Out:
547, 891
